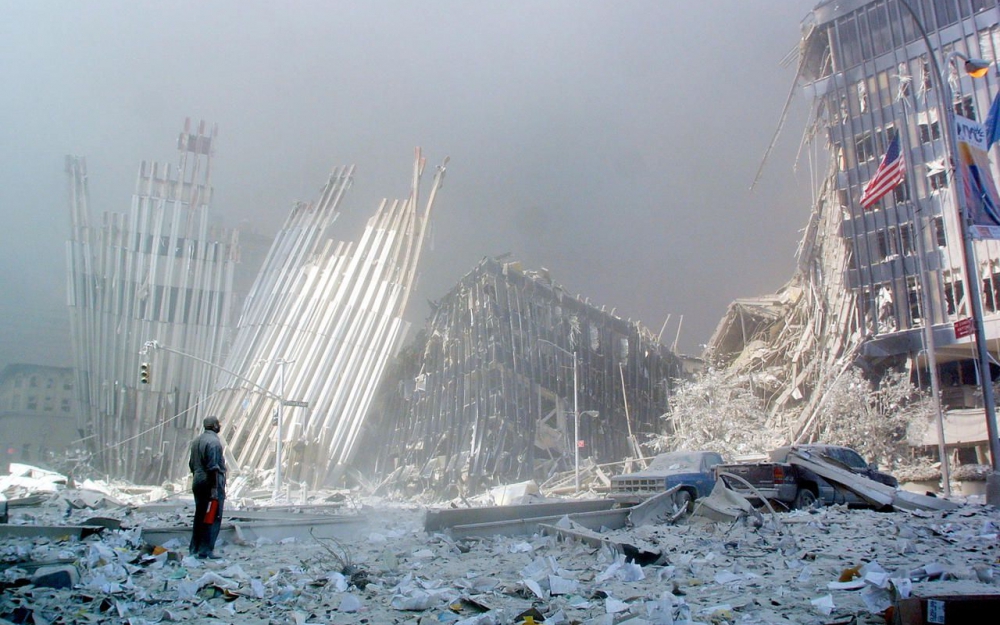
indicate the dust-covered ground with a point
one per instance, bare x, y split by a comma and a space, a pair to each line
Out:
833, 565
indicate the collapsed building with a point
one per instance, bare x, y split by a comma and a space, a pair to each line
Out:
161, 271
507, 369
316, 331
871, 280
152, 308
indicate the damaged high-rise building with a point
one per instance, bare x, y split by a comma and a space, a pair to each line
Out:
159, 271
871, 278
488, 391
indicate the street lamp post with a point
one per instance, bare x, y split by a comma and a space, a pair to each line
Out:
576, 415
946, 106
281, 417
576, 428
282, 402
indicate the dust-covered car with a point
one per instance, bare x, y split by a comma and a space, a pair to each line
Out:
795, 486
692, 471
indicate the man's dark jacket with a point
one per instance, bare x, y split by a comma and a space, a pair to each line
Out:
207, 457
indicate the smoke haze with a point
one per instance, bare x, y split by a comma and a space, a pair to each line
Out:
611, 143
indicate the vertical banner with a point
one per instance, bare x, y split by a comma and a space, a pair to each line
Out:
981, 199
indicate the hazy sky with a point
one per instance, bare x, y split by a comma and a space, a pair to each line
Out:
610, 142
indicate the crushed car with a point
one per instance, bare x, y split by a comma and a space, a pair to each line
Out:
691, 472
794, 486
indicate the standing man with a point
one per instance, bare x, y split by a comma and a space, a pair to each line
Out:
209, 468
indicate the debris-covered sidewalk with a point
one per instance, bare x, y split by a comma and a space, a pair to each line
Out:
833, 565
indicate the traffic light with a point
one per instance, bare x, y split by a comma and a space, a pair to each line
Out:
144, 373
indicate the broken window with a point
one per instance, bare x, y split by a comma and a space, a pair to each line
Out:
904, 78
886, 310
929, 128
864, 147
939, 235
965, 107
991, 292
925, 74
906, 238
989, 43
913, 298
938, 180
882, 242
954, 295
840, 157
901, 193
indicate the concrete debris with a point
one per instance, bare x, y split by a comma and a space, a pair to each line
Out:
438, 519
61, 576
843, 565
723, 505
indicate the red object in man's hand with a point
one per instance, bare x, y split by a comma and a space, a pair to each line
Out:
213, 509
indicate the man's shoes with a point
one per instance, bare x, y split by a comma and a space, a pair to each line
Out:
208, 556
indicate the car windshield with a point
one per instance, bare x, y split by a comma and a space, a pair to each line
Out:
676, 462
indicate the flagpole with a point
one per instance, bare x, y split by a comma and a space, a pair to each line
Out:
919, 220
945, 99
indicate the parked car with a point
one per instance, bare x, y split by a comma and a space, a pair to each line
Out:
795, 486
691, 470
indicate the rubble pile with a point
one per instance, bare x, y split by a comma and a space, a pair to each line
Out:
831, 565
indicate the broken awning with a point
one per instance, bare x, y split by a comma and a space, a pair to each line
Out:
961, 427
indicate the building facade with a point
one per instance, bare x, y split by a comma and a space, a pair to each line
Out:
37, 413
867, 69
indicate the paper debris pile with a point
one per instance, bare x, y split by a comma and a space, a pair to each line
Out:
826, 566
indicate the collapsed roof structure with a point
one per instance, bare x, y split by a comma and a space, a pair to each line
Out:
487, 393
159, 270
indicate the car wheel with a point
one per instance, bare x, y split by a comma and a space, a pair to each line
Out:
805, 498
682, 501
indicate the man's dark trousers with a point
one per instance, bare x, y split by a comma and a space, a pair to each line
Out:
204, 535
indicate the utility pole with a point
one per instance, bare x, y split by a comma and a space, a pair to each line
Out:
576, 414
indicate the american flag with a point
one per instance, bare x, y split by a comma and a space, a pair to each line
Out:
889, 174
